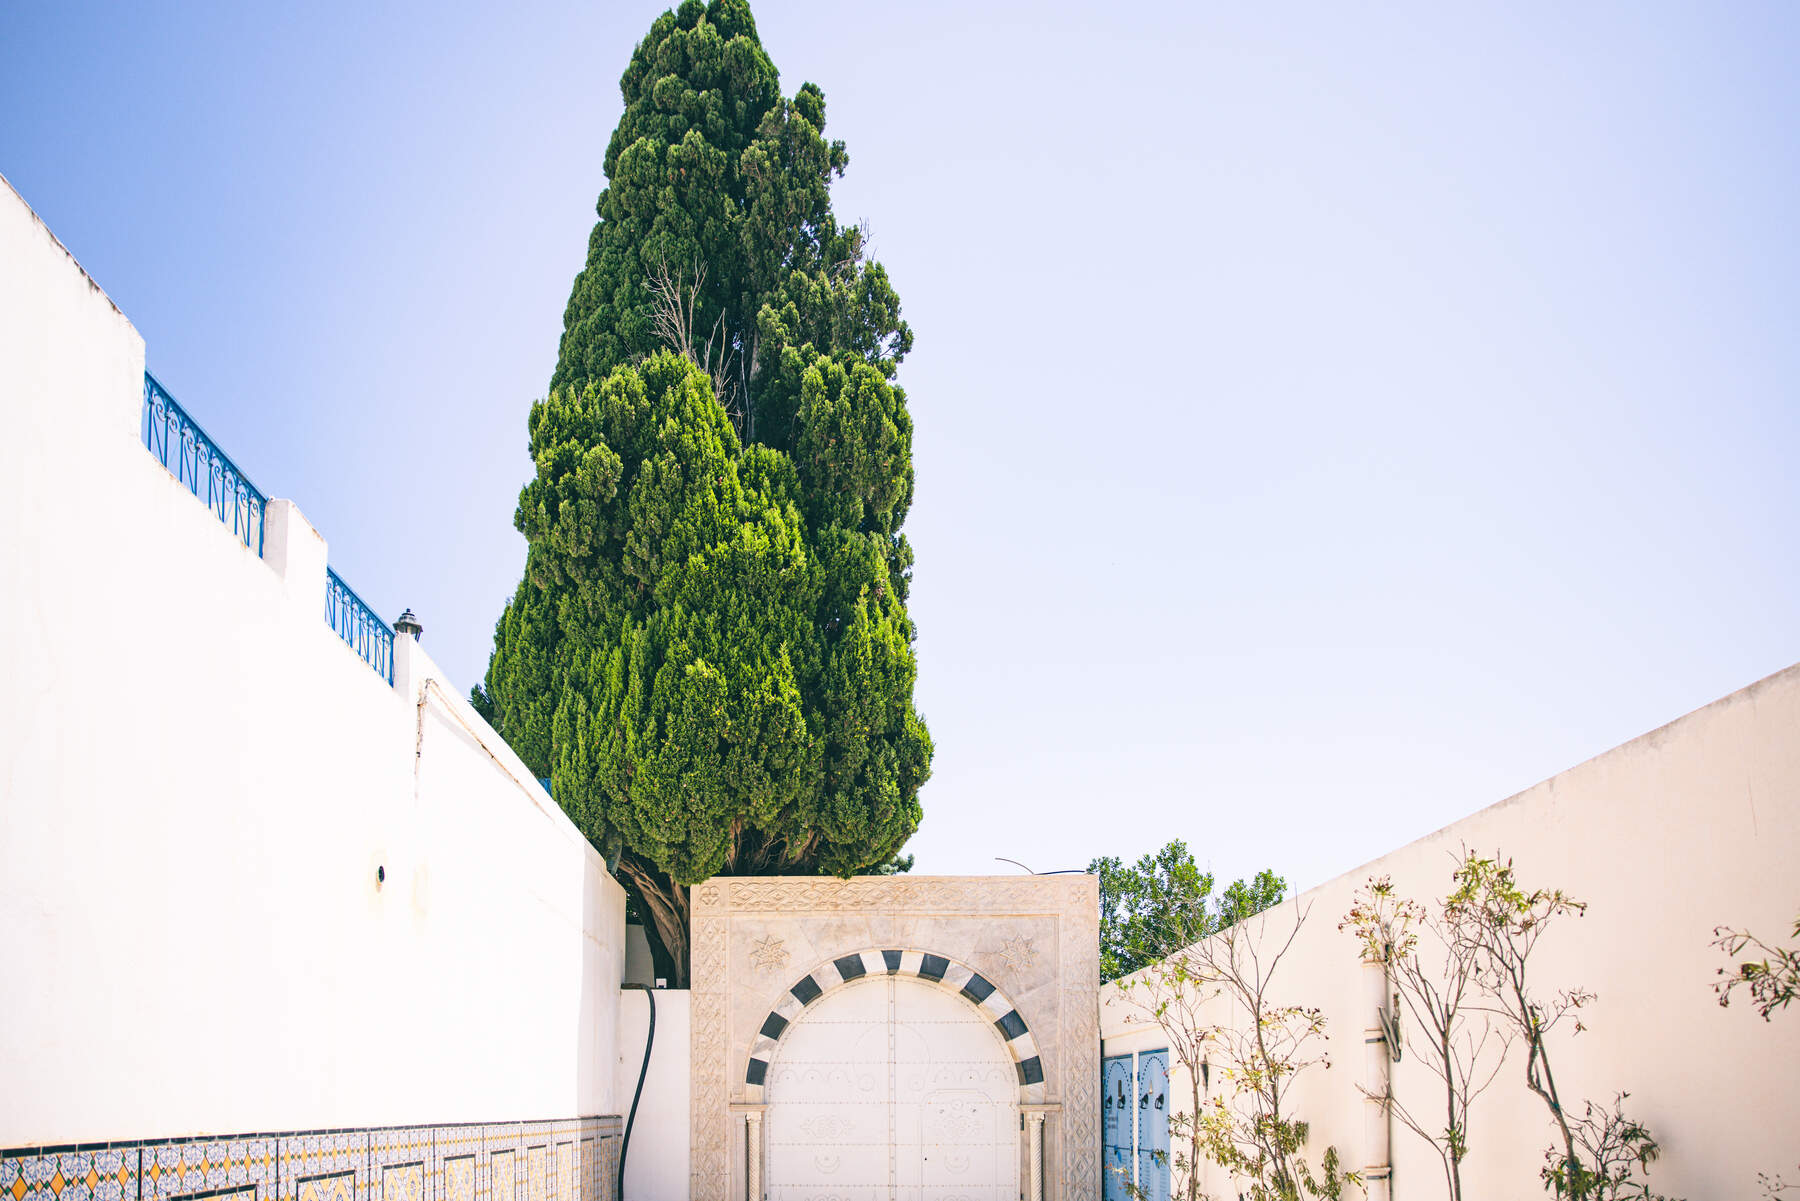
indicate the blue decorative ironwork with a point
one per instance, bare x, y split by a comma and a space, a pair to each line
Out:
194, 459
356, 623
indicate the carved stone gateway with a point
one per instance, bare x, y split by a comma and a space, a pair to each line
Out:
1015, 960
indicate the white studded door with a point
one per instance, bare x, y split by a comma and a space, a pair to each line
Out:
892, 1089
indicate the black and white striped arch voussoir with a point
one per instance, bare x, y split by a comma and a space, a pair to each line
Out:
954, 977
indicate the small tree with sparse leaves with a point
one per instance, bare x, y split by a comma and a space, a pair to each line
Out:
1500, 924
1776, 1188
1773, 982
1244, 1122
1461, 1044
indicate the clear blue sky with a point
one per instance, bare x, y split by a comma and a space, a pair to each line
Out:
1330, 420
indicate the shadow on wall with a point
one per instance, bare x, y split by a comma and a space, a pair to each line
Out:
593, 1047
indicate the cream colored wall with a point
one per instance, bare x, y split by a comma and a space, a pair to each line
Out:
198, 783
1693, 825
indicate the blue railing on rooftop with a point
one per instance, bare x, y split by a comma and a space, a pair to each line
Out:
356, 623
195, 460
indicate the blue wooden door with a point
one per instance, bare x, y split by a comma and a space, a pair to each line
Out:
1116, 1103
1153, 1124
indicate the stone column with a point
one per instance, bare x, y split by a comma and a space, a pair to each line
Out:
753, 1145
1035, 1113
1036, 1118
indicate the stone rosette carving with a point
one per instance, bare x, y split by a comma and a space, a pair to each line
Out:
1018, 952
769, 954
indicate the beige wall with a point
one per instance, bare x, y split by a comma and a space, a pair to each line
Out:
198, 783
1693, 825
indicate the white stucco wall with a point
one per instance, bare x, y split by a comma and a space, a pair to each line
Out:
198, 784
656, 1163
1685, 828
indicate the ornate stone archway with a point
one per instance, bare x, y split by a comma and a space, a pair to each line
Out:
940, 970
1033, 939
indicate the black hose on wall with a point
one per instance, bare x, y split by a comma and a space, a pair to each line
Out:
649, 1042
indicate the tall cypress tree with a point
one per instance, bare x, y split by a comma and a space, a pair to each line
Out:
710, 654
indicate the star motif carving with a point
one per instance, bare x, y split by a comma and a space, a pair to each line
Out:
769, 955
1018, 953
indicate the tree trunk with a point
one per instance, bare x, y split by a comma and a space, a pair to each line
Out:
1453, 1129
1554, 1101
1192, 1189
664, 905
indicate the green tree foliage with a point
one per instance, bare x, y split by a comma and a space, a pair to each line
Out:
710, 654
1164, 903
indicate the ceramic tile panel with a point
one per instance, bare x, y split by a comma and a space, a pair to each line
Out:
403, 1181
562, 1183
176, 1170
456, 1178
505, 1136
605, 1171
462, 1142
573, 1159
69, 1175
395, 1145
503, 1175
336, 1186
399, 1159
324, 1166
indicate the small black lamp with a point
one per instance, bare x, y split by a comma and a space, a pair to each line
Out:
406, 623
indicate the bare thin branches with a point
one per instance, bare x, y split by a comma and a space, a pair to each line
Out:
1460, 1043
674, 314
1247, 1068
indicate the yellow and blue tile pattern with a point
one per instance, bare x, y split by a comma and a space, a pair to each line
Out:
568, 1160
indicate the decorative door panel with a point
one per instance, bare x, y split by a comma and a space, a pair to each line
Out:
968, 1142
891, 1089
1153, 1124
1117, 1122
830, 1134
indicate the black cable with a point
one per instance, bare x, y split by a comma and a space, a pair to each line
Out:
649, 1041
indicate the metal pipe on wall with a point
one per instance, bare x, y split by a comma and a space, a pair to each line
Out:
643, 1071
1378, 1057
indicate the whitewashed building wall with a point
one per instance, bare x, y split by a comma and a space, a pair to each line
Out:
247, 885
